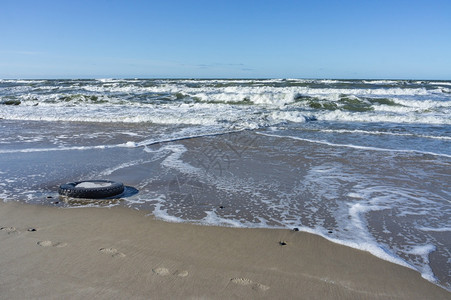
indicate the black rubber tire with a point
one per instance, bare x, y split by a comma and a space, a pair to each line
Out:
71, 190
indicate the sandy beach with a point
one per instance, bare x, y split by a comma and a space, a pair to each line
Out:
118, 253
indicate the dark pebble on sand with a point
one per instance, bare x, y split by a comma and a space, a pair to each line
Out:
32, 229
282, 243
295, 229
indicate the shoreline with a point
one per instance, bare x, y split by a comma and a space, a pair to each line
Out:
116, 252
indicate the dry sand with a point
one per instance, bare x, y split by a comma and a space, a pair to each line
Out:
117, 253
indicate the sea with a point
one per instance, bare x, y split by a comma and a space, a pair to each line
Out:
363, 163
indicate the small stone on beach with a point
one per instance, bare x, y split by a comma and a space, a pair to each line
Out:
295, 229
282, 243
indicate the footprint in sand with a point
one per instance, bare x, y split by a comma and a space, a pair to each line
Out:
166, 272
111, 251
51, 244
247, 282
161, 271
181, 273
13, 230
9, 230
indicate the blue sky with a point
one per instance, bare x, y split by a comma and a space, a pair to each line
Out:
233, 39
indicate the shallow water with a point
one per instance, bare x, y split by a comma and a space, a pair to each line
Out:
362, 163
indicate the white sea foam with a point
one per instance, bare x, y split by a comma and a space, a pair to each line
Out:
104, 80
163, 214
373, 248
440, 83
181, 135
114, 100
30, 150
284, 116
383, 82
353, 146
174, 160
125, 165
130, 144
367, 132
423, 251
432, 229
186, 133
212, 218
392, 117
357, 209
248, 117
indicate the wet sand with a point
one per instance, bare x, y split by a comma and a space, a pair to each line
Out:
117, 253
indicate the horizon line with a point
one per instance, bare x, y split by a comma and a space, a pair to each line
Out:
215, 78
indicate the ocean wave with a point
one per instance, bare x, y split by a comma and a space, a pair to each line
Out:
381, 82
255, 102
79, 108
391, 117
447, 83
